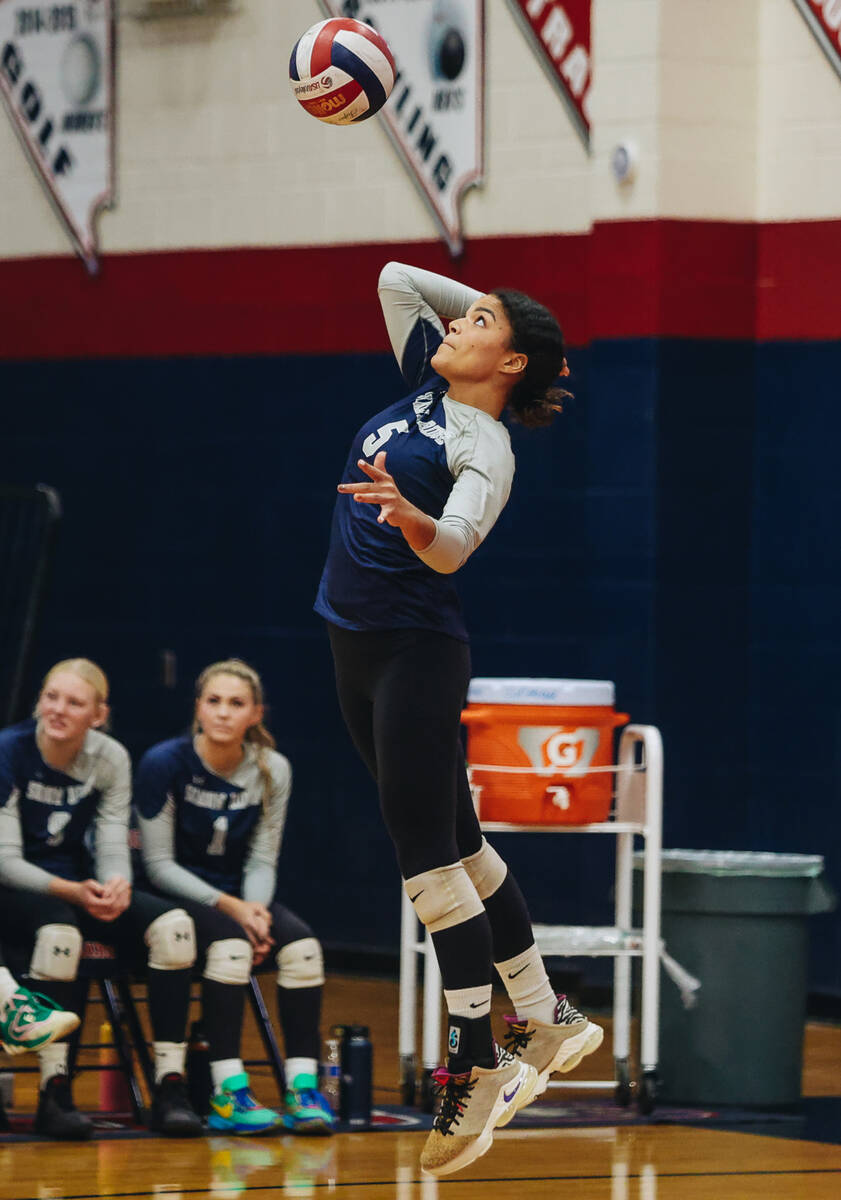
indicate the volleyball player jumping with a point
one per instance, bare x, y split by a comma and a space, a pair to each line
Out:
424, 483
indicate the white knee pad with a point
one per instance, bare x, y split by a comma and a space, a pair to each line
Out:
171, 939
300, 964
486, 869
443, 897
56, 952
228, 961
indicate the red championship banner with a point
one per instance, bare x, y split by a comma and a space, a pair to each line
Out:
559, 30
824, 19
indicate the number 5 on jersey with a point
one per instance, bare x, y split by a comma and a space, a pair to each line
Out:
375, 441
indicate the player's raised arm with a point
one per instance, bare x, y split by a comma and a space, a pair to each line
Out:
413, 302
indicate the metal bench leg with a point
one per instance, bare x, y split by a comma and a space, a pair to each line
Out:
109, 999
264, 1026
138, 1037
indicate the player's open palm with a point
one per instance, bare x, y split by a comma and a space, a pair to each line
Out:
381, 490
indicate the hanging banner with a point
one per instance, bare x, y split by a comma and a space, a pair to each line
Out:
560, 34
435, 114
57, 83
824, 19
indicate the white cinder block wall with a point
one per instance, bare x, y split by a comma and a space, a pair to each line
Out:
734, 109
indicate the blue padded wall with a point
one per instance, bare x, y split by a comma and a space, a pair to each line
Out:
675, 532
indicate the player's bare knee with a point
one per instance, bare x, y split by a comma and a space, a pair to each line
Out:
228, 961
486, 869
171, 939
443, 897
56, 952
300, 964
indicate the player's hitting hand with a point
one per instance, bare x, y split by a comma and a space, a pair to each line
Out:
417, 528
395, 509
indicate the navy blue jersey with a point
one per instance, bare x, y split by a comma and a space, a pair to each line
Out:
69, 823
372, 578
196, 821
450, 460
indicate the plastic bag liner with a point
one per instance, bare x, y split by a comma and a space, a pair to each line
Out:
570, 941
739, 862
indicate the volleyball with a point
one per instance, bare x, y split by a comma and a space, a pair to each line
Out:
341, 71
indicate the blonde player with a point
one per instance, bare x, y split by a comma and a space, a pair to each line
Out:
65, 874
212, 810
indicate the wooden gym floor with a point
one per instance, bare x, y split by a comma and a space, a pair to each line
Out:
637, 1162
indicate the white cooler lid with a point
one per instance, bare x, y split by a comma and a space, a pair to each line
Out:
561, 692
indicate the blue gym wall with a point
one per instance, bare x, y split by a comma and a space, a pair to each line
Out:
676, 531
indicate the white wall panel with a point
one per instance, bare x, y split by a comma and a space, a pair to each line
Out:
735, 112
800, 118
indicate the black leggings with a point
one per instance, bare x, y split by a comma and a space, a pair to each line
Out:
299, 1009
169, 991
401, 693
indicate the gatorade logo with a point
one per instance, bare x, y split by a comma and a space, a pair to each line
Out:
549, 747
454, 1039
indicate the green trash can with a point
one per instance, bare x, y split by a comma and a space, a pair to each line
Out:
737, 921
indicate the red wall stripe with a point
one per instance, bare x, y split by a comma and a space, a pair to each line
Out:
624, 279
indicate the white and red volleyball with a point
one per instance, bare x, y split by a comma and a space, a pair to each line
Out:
341, 71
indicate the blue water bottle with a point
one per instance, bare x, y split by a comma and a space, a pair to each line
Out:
357, 1061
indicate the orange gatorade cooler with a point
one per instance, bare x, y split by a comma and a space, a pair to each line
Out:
533, 744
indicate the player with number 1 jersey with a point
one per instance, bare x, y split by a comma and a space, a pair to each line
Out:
212, 808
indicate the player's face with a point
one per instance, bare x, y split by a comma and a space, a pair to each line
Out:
226, 709
477, 345
69, 706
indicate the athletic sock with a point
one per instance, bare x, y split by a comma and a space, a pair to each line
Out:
170, 1058
53, 1061
527, 983
222, 1069
470, 1003
299, 1065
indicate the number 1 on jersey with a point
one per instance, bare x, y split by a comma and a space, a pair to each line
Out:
220, 834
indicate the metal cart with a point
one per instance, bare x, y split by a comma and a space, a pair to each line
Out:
637, 812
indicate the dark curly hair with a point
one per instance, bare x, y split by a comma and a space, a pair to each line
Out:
536, 398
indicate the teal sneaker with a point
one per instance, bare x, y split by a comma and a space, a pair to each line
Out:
234, 1110
29, 1021
306, 1109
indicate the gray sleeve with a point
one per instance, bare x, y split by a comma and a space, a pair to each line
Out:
483, 466
15, 871
158, 838
112, 815
409, 294
260, 870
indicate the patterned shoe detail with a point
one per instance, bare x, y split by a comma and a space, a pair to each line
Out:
29, 1021
234, 1109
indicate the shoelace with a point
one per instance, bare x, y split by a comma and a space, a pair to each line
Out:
518, 1037
454, 1091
